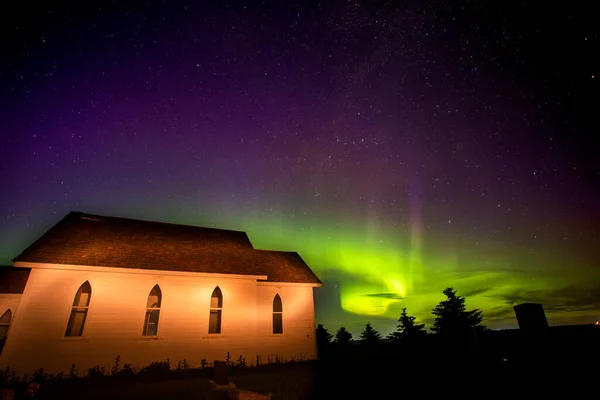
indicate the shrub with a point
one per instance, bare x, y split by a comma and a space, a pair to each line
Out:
7, 377
156, 369
73, 371
95, 372
39, 376
58, 377
126, 372
182, 366
116, 366
240, 362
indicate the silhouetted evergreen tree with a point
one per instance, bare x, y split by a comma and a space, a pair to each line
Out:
407, 328
370, 336
452, 320
343, 337
324, 339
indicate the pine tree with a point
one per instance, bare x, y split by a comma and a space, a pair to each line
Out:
343, 337
452, 320
323, 335
324, 339
370, 335
407, 328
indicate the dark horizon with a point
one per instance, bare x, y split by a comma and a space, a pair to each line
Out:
400, 149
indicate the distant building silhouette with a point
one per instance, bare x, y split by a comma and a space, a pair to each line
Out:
531, 318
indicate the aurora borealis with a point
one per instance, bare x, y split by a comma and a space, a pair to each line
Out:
398, 148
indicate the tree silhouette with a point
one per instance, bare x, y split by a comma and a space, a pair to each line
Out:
407, 328
370, 335
452, 320
343, 337
324, 339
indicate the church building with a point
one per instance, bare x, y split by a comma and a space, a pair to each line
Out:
96, 287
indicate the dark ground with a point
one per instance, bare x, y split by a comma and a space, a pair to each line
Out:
502, 364
369, 377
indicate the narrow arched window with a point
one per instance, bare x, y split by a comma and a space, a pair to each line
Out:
277, 315
216, 311
79, 311
4, 325
152, 312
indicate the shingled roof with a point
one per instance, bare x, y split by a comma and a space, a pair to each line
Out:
13, 280
94, 240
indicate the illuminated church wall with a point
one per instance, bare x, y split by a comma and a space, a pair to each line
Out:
9, 301
298, 338
116, 313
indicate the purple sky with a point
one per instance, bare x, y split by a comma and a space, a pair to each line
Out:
460, 125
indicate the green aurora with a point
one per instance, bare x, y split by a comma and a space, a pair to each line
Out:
371, 270
384, 269
399, 148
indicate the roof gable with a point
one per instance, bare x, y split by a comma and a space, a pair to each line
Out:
93, 240
13, 280
285, 266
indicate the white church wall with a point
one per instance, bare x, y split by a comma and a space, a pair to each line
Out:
115, 320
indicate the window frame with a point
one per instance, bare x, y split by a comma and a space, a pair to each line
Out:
151, 310
77, 308
7, 324
9, 312
279, 314
218, 310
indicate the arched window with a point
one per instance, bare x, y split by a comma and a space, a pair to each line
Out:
152, 312
4, 325
216, 310
79, 311
277, 315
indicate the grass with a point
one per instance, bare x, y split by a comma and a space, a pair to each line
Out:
361, 375
289, 381
365, 378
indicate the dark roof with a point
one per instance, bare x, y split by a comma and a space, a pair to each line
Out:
285, 266
86, 239
13, 280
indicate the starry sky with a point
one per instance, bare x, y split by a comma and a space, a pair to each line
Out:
399, 147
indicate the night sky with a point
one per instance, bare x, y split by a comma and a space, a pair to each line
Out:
398, 147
